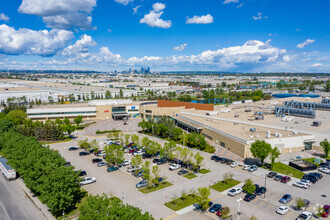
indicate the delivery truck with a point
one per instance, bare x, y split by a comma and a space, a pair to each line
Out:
7, 171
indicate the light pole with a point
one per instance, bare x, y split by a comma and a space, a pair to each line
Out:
265, 186
152, 126
216, 141
238, 210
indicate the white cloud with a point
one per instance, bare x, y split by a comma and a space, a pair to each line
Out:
240, 5
204, 19
317, 64
259, 16
124, 2
61, 14
230, 1
81, 46
26, 41
4, 17
109, 30
135, 9
153, 18
181, 47
306, 43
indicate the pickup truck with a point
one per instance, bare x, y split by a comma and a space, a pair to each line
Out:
7, 171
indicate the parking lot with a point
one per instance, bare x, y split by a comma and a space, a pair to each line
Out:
122, 184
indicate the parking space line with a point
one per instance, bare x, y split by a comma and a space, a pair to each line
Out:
193, 216
261, 204
270, 207
217, 196
288, 214
171, 216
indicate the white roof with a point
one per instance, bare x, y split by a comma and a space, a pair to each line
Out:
110, 102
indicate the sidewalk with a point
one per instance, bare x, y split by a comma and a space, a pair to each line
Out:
42, 207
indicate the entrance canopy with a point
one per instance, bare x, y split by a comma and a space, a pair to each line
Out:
119, 115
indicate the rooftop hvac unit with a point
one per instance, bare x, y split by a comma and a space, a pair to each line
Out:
268, 132
253, 129
267, 135
295, 132
275, 134
279, 135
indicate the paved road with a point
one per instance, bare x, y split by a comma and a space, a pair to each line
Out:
122, 185
14, 204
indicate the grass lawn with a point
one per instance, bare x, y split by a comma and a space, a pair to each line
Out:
287, 170
152, 189
221, 186
204, 171
181, 203
55, 142
311, 160
75, 212
190, 176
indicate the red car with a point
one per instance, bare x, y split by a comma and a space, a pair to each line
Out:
285, 179
326, 211
132, 151
222, 210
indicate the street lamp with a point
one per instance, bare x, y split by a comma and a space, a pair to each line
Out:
152, 126
265, 186
216, 141
238, 210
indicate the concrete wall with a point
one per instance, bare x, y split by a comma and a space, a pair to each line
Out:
187, 105
157, 111
103, 111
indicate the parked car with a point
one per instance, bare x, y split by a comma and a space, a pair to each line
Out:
162, 161
324, 170
249, 197
183, 171
305, 216
253, 168
73, 148
81, 172
140, 153
102, 163
229, 161
282, 210
278, 177
214, 157
326, 211
214, 208
234, 191
246, 167
318, 175
285, 179
112, 169
306, 204
222, 210
142, 183
83, 153
126, 163
96, 160
134, 168
260, 191
234, 164
138, 173
311, 178
87, 180
301, 184
174, 166
156, 160
285, 199
145, 156
271, 174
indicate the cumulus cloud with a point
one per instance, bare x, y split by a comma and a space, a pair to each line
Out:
61, 14
259, 16
81, 46
135, 9
26, 41
4, 17
124, 2
230, 1
153, 18
204, 19
306, 43
181, 47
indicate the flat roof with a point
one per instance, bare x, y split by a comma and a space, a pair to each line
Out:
5, 164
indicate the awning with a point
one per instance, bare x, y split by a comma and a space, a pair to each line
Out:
120, 114
310, 140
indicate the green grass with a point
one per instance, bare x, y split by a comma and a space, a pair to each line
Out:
161, 185
204, 171
190, 176
311, 160
287, 170
55, 142
181, 203
222, 186
81, 127
106, 131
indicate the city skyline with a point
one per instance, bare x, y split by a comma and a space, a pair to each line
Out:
224, 35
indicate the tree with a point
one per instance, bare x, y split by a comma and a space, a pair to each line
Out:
16, 116
253, 218
78, 120
274, 153
146, 172
92, 94
84, 144
155, 171
107, 94
261, 150
115, 154
127, 136
326, 147
249, 187
69, 128
94, 145
228, 177
203, 197
121, 94
299, 203
198, 159
176, 132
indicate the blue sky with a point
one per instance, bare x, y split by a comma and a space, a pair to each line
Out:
222, 35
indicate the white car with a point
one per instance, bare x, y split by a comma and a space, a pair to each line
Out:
233, 164
282, 210
324, 170
309, 183
305, 216
234, 191
140, 152
87, 180
246, 167
253, 168
134, 168
301, 184
174, 166
126, 162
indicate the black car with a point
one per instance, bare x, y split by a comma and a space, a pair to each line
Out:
278, 177
162, 161
183, 171
91, 151
82, 173
260, 191
310, 174
311, 178
214, 157
229, 161
145, 155
73, 148
223, 160
97, 160
214, 208
271, 174
318, 175
257, 187
67, 164
156, 160
249, 197
83, 153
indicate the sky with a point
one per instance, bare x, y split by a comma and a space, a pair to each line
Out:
166, 35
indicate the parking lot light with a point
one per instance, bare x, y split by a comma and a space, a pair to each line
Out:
238, 210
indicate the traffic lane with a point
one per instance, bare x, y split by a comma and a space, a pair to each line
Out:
14, 204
